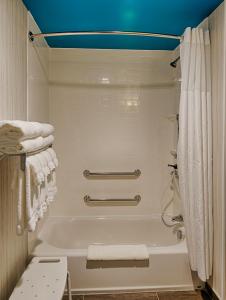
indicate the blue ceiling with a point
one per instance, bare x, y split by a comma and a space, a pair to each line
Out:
161, 16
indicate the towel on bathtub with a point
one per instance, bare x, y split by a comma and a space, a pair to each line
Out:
117, 252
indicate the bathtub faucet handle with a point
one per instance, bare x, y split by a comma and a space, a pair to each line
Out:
173, 166
178, 218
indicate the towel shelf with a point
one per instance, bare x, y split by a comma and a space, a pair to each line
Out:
112, 175
122, 201
23, 155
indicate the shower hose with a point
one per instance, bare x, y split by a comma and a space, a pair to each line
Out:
173, 185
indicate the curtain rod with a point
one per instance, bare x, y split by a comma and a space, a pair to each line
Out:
33, 36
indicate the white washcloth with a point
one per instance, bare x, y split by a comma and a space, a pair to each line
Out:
40, 187
49, 161
50, 175
36, 170
18, 185
117, 252
53, 155
40, 190
22, 130
51, 187
32, 207
35, 200
14, 146
44, 163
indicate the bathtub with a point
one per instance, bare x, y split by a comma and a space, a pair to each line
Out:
70, 236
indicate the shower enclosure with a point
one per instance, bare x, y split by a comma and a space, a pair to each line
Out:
115, 112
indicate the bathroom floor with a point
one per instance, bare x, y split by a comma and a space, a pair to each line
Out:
143, 296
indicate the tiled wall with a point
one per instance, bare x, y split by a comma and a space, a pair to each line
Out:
14, 104
38, 69
110, 111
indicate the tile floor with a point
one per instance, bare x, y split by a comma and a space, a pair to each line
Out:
143, 296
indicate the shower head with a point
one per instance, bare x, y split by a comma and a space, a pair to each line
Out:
174, 63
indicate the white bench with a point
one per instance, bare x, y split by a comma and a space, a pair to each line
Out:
45, 278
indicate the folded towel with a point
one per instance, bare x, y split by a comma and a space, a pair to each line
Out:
14, 146
117, 252
47, 140
21, 130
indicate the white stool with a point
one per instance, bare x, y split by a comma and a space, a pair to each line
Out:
45, 279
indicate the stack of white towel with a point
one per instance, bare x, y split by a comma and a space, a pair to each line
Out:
39, 179
22, 136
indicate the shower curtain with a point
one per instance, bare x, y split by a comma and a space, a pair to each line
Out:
195, 149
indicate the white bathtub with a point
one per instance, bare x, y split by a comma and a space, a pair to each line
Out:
168, 266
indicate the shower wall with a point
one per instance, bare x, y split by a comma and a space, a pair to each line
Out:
37, 77
111, 110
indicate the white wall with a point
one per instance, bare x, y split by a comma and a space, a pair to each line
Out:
217, 27
109, 109
16, 59
13, 99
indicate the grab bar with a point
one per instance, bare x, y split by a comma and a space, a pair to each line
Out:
134, 201
112, 175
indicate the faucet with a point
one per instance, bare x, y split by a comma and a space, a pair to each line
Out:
178, 218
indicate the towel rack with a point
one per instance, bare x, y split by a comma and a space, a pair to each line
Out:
112, 175
24, 155
122, 201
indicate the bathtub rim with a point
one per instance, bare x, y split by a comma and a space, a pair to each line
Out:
42, 247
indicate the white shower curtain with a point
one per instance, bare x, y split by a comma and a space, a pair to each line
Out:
195, 149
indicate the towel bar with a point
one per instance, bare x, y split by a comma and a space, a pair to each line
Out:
111, 175
24, 155
134, 201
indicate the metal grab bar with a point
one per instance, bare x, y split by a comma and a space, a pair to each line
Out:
112, 175
133, 201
